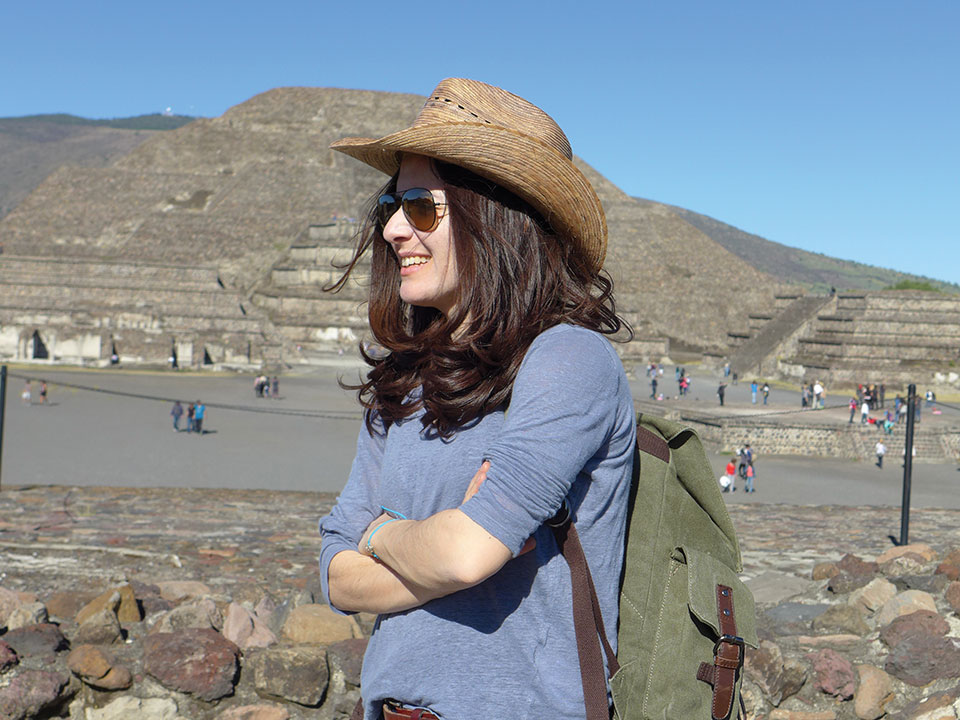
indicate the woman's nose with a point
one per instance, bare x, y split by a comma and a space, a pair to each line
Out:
397, 229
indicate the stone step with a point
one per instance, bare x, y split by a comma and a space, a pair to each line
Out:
27, 267
220, 302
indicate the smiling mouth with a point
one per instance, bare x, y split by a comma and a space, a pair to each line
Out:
413, 260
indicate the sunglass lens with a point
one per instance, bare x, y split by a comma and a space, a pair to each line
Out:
420, 208
387, 205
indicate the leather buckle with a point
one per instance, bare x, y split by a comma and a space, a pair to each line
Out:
730, 640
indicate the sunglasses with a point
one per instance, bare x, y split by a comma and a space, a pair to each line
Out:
418, 205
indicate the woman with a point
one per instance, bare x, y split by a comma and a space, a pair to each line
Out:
498, 399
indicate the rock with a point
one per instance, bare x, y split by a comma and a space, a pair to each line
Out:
937, 706
903, 604
872, 596
8, 657
346, 658
33, 613
245, 629
297, 674
176, 591
128, 708
933, 584
88, 662
319, 624
36, 640
923, 551
824, 571
952, 596
922, 622
843, 583
833, 672
953, 557
874, 692
66, 605
202, 613
950, 570
124, 605
772, 587
909, 564
197, 661
792, 618
101, 628
8, 603
838, 640
765, 666
255, 712
118, 678
31, 693
842, 619
920, 659
781, 714
853, 565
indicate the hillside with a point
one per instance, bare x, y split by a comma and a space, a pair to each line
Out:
33, 147
815, 271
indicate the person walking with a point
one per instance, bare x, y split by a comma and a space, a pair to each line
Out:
865, 411
43, 392
191, 412
731, 472
753, 392
177, 413
653, 386
880, 450
27, 395
198, 414
721, 391
498, 397
766, 392
853, 409
276, 388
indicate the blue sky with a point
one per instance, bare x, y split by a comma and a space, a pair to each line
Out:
829, 126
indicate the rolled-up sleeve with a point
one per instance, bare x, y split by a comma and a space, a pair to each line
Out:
356, 506
563, 410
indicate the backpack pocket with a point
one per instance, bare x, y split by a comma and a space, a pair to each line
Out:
681, 638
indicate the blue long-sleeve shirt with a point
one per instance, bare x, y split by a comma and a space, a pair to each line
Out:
506, 645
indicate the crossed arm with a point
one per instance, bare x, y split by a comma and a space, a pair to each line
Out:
416, 561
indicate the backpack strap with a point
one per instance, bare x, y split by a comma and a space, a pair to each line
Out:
587, 619
727, 657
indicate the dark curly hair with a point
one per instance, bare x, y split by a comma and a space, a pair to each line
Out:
517, 279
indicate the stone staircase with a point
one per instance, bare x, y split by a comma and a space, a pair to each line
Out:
894, 336
931, 445
77, 310
758, 352
316, 325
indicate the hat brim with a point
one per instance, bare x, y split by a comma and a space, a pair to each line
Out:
530, 169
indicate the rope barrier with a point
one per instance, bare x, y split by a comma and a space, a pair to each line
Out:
324, 414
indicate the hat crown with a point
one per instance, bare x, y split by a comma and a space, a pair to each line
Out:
470, 101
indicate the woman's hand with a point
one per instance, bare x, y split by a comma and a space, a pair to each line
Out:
377, 522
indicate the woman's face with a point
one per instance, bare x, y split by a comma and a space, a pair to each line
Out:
428, 263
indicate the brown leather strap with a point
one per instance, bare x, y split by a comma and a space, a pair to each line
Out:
587, 624
727, 657
652, 444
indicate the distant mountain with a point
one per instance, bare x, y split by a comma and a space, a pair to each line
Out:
815, 271
32, 147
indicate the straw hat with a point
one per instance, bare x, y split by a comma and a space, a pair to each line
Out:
505, 139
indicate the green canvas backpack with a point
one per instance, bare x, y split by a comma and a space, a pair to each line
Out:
685, 616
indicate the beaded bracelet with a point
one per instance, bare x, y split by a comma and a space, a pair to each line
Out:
369, 547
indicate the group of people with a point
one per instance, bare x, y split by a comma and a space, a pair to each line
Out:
195, 412
740, 465
866, 402
264, 387
755, 387
27, 395
813, 396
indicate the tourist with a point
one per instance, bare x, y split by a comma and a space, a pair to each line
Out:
817, 395
750, 472
653, 385
27, 394
766, 392
853, 409
198, 413
721, 391
177, 413
865, 411
191, 423
731, 474
493, 320
902, 413
43, 392
880, 450
276, 388
753, 392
